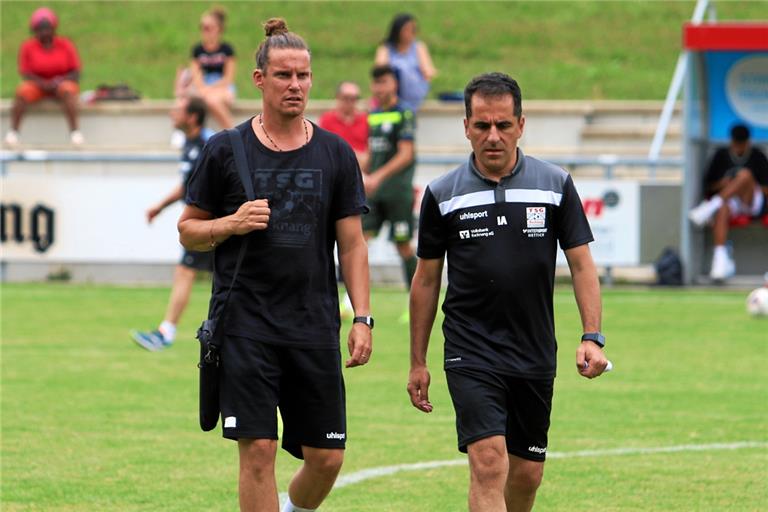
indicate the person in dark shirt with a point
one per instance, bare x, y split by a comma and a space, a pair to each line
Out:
189, 117
281, 333
735, 184
211, 74
498, 218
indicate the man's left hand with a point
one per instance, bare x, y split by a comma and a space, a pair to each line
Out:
590, 360
360, 344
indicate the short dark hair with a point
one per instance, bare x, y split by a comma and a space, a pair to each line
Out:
398, 22
739, 133
196, 106
493, 84
383, 70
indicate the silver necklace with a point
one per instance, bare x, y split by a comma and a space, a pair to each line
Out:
303, 122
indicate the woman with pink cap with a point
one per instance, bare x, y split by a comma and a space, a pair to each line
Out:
50, 68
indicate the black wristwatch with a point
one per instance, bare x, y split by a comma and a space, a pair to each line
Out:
367, 320
595, 337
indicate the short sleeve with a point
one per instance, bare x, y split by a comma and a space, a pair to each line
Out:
408, 127
324, 121
432, 231
72, 56
718, 166
227, 49
348, 192
760, 167
204, 184
24, 59
197, 50
572, 224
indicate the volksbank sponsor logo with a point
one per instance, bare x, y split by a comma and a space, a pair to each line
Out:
335, 435
466, 234
537, 449
474, 215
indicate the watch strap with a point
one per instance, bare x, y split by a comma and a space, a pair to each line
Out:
595, 337
367, 320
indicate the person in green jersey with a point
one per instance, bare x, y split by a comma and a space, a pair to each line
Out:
389, 178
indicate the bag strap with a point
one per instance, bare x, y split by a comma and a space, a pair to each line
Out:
241, 162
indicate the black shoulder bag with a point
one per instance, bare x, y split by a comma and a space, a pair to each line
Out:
210, 337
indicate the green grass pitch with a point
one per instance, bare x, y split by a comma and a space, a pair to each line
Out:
92, 422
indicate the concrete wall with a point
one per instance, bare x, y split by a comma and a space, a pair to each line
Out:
552, 127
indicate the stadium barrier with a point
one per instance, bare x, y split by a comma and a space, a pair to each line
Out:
87, 215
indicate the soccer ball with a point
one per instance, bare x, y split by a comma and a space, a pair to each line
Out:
757, 302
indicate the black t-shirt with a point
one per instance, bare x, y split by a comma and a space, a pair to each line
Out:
286, 291
501, 240
724, 163
212, 62
189, 154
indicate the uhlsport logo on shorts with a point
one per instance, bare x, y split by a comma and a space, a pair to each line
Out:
336, 435
537, 449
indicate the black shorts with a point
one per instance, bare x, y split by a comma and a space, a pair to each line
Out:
306, 384
198, 260
397, 210
489, 404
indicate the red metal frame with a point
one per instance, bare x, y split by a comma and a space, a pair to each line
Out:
726, 36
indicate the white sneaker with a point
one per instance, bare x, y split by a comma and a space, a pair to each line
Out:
12, 138
76, 137
723, 267
702, 213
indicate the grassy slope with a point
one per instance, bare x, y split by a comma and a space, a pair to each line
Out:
91, 422
557, 50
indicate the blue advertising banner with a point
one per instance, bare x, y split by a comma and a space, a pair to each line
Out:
737, 87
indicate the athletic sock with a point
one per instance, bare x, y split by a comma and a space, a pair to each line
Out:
290, 507
409, 268
168, 330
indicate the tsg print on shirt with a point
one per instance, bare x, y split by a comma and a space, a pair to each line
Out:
295, 202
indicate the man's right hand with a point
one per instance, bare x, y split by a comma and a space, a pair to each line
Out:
251, 216
418, 388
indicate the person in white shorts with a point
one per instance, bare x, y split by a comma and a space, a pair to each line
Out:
736, 184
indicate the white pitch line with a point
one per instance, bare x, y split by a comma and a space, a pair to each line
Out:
366, 474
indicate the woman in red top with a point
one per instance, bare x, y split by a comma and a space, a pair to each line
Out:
50, 68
